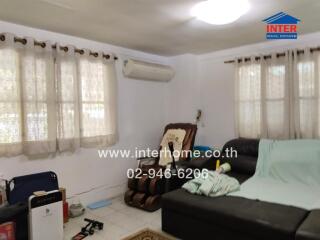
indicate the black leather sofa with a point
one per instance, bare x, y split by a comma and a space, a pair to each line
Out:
188, 216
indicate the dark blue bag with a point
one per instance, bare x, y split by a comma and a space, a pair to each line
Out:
19, 189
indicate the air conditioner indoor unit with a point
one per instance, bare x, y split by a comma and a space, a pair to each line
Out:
147, 71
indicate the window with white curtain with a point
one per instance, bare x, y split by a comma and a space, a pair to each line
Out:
66, 102
54, 101
10, 115
306, 97
92, 98
35, 73
260, 98
67, 89
97, 105
274, 102
249, 100
275, 116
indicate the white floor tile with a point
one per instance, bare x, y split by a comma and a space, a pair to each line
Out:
105, 212
127, 222
70, 230
118, 205
111, 231
119, 221
136, 213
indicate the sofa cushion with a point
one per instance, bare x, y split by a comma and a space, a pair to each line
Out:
261, 219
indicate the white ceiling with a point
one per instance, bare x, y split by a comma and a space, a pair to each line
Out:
163, 27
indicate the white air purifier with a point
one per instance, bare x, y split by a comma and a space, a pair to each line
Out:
46, 216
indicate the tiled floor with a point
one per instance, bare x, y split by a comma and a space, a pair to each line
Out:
119, 221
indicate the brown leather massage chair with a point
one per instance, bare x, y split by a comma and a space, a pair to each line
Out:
145, 192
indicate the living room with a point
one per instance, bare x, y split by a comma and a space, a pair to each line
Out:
194, 76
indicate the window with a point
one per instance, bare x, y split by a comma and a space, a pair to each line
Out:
307, 99
66, 90
249, 101
10, 114
50, 104
275, 113
92, 75
35, 98
261, 100
279, 97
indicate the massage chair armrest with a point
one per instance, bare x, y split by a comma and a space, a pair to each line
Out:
310, 227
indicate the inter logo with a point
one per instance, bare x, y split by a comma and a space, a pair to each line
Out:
281, 26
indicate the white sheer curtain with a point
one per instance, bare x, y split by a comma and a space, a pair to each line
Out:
97, 100
10, 104
248, 98
279, 97
10, 99
27, 115
38, 98
54, 100
275, 97
307, 96
86, 100
262, 98
67, 88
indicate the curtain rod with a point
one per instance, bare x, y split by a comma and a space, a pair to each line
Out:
269, 56
43, 45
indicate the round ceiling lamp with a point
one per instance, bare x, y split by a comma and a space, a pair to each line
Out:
219, 12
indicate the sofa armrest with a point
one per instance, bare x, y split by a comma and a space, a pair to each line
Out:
310, 227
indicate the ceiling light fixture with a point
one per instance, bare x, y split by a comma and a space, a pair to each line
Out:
220, 12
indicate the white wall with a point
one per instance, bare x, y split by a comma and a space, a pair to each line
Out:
212, 89
141, 121
181, 90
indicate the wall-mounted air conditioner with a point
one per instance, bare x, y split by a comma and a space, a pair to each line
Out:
147, 71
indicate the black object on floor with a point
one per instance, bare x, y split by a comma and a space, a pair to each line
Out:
89, 229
